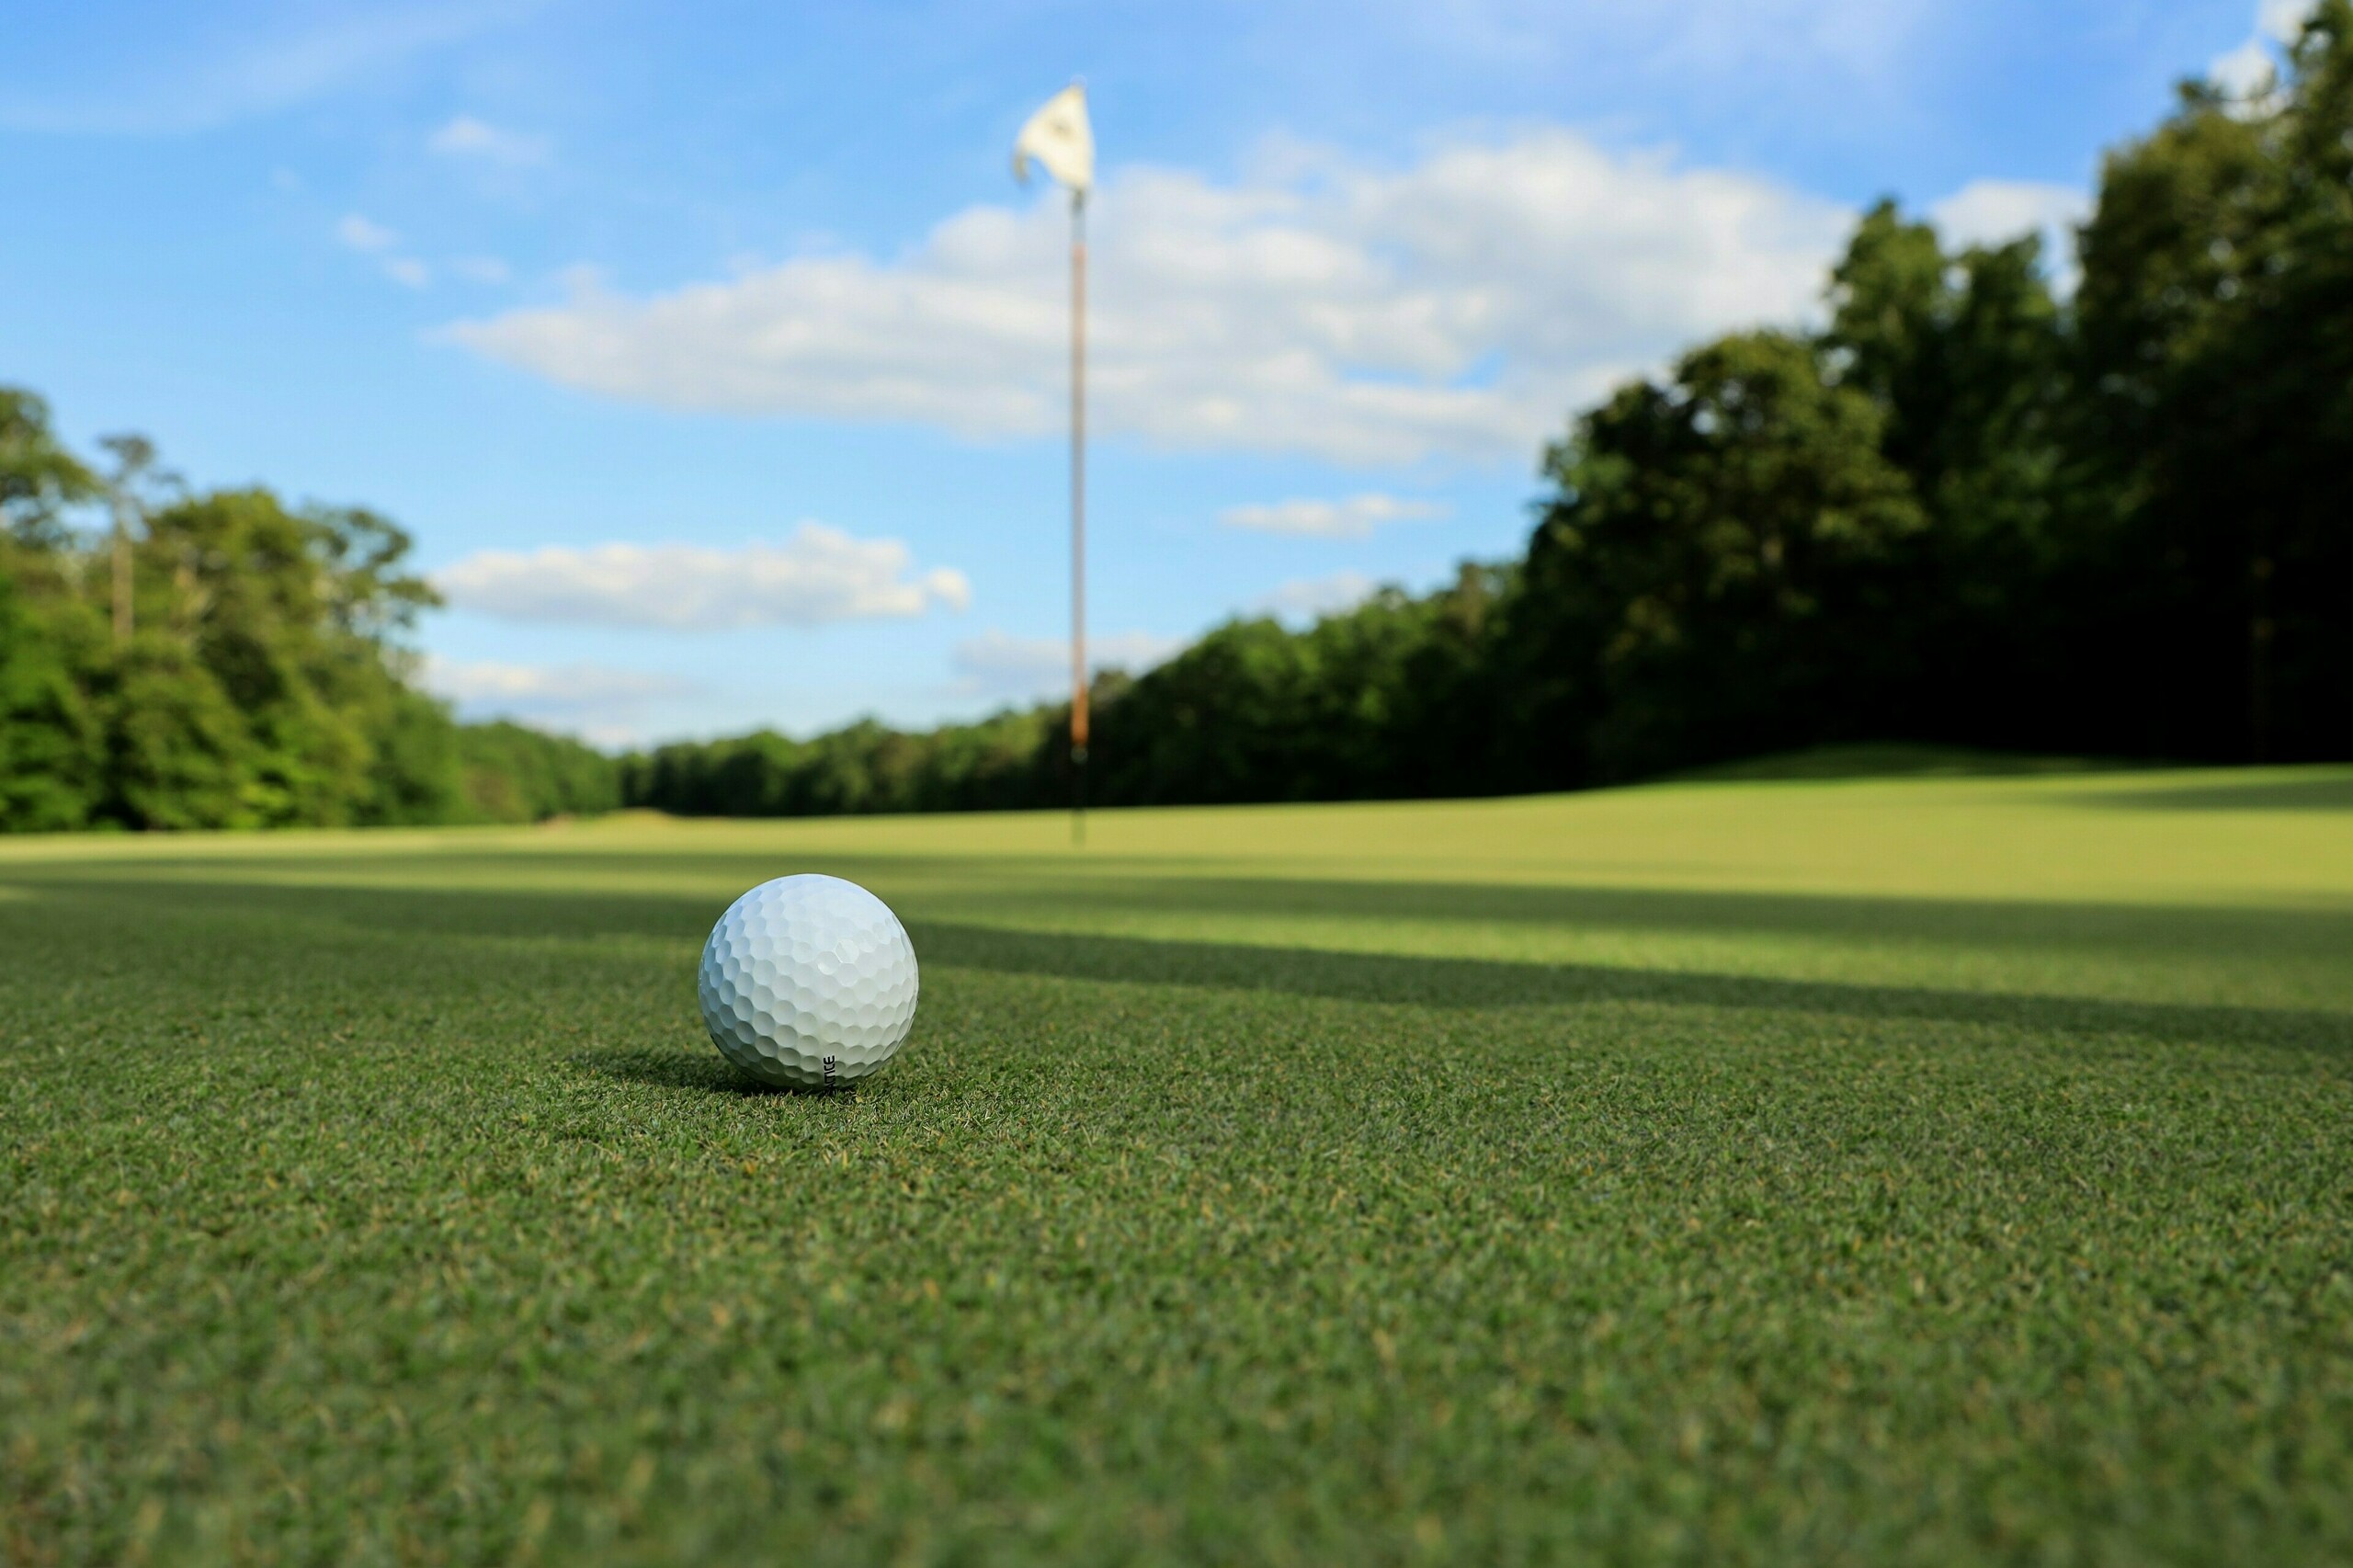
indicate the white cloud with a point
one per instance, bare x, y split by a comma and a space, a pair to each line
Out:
2249, 70
1989, 211
994, 664
407, 271
602, 704
1355, 518
363, 234
488, 682
466, 137
1305, 599
1995, 211
1464, 304
2244, 72
817, 576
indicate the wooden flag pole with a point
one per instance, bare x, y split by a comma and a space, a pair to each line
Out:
1059, 140
1078, 517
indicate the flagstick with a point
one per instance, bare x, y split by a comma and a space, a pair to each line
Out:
1078, 517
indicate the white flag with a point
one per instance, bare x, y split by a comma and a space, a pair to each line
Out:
1059, 137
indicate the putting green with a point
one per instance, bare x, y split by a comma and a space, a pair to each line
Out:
1899, 1171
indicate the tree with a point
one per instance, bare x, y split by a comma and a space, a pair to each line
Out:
1712, 575
179, 753
515, 774
1965, 355
288, 612
40, 480
50, 756
2217, 354
127, 490
225, 660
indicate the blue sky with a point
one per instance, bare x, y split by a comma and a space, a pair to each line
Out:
713, 357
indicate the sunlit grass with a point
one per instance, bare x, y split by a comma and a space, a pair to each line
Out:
1864, 1171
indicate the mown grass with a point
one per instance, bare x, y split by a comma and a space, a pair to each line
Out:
1936, 1171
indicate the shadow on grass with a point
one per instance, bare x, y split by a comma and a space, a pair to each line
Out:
986, 893
442, 914
2331, 792
1480, 983
1891, 759
672, 1070
703, 1072
2106, 930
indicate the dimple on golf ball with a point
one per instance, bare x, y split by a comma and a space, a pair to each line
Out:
808, 981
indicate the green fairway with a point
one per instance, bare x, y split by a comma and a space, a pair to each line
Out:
1939, 1170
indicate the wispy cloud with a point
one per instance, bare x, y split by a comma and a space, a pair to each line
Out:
371, 238
818, 575
491, 682
183, 70
365, 234
466, 137
604, 704
1860, 44
1462, 304
996, 665
1355, 518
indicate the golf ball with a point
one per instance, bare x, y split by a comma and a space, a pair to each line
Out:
808, 981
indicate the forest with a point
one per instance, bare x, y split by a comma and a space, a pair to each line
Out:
1968, 510
224, 660
2094, 505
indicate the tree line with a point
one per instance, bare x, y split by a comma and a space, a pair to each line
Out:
226, 660
1966, 509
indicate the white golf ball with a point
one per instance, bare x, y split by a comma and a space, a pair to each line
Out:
808, 981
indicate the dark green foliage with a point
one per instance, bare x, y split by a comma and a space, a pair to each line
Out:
38, 478
418, 777
1965, 513
48, 742
2217, 370
1387, 699
1714, 577
1392, 698
1967, 357
259, 688
1001, 763
515, 774
179, 753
